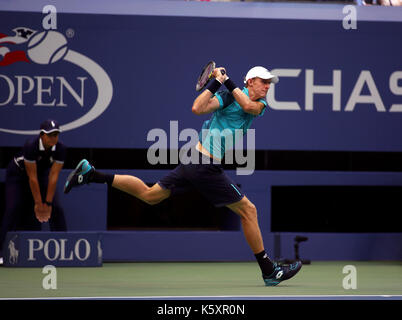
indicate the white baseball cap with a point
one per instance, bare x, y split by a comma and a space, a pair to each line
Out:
262, 73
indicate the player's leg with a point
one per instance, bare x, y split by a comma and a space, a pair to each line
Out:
221, 190
272, 273
249, 221
137, 188
85, 173
247, 212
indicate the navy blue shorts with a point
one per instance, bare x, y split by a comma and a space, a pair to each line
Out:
208, 178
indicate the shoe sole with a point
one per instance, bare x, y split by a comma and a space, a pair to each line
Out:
273, 283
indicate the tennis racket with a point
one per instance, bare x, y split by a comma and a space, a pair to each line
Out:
206, 75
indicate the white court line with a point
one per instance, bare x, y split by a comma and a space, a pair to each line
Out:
247, 297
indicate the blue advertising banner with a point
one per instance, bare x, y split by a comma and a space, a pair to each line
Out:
111, 79
59, 249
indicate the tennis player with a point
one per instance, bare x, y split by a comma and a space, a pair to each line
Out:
231, 109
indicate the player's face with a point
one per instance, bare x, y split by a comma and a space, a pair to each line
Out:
260, 87
49, 140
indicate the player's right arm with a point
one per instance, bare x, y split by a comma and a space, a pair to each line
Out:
206, 102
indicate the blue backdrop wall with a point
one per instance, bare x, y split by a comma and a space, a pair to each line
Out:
119, 77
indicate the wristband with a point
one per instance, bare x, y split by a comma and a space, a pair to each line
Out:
214, 86
230, 85
48, 203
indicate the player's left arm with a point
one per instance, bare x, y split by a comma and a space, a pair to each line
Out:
248, 105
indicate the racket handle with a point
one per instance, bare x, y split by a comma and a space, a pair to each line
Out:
222, 72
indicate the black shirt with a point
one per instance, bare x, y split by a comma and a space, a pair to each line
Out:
34, 151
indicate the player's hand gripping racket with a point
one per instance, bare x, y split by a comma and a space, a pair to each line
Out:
206, 75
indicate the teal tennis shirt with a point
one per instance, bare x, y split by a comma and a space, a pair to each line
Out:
218, 133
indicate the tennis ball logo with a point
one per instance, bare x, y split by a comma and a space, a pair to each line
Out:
47, 47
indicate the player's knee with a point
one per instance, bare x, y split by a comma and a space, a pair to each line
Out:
250, 212
153, 198
155, 194
150, 199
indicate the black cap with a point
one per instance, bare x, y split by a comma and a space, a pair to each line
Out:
49, 126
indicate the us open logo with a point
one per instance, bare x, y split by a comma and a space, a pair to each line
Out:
46, 48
